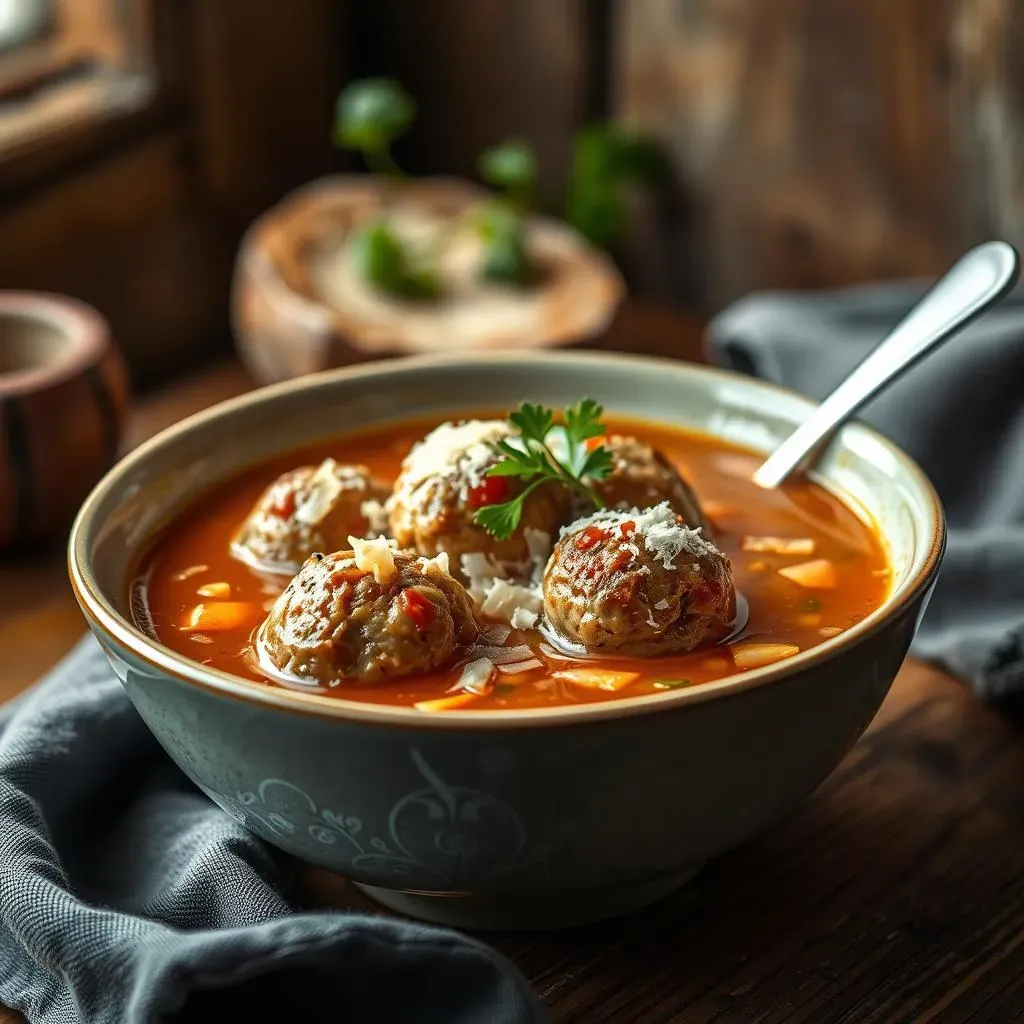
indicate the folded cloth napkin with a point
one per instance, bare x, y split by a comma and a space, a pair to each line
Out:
126, 896
959, 413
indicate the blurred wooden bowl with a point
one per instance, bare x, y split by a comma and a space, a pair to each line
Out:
298, 306
63, 392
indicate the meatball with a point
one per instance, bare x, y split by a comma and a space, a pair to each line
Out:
312, 508
366, 616
643, 477
442, 484
638, 582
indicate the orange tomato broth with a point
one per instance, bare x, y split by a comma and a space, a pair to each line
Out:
193, 553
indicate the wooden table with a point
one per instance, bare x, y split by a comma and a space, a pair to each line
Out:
896, 895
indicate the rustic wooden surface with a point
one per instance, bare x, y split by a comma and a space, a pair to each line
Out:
896, 895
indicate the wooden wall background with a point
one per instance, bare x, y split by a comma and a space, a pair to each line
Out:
816, 142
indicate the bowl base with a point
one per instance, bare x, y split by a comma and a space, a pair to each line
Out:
544, 912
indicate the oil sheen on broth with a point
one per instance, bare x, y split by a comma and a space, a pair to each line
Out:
805, 565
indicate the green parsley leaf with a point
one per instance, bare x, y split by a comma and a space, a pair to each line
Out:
534, 422
531, 458
501, 520
510, 467
598, 464
583, 420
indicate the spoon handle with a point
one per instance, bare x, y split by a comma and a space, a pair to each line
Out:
976, 281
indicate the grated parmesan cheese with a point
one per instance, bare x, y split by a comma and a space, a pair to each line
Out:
662, 534
453, 447
376, 556
321, 492
501, 655
376, 516
538, 543
504, 599
523, 618
475, 676
518, 667
439, 563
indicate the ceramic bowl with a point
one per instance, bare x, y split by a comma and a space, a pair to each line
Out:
63, 391
530, 818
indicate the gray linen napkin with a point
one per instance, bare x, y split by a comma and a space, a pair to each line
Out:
126, 896
960, 413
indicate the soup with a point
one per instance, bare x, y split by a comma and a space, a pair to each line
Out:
770, 573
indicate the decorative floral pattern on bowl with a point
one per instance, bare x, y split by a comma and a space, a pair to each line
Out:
442, 835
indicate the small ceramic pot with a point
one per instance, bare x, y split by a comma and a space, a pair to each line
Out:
299, 306
63, 392
522, 818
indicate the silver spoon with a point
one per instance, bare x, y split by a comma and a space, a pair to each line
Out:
976, 281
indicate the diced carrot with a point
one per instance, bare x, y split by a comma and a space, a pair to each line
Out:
757, 655
807, 620
220, 616
817, 575
830, 631
221, 590
596, 678
449, 703
779, 545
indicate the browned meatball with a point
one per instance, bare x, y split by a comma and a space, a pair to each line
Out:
643, 477
442, 484
366, 616
312, 508
638, 583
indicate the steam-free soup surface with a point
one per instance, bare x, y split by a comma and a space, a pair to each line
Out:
805, 566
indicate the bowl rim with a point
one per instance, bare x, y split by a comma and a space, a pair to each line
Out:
105, 618
85, 333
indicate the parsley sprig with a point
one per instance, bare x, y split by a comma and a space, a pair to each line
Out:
530, 455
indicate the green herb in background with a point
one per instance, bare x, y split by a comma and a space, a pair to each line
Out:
370, 115
382, 261
501, 222
511, 167
530, 457
607, 160
505, 258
